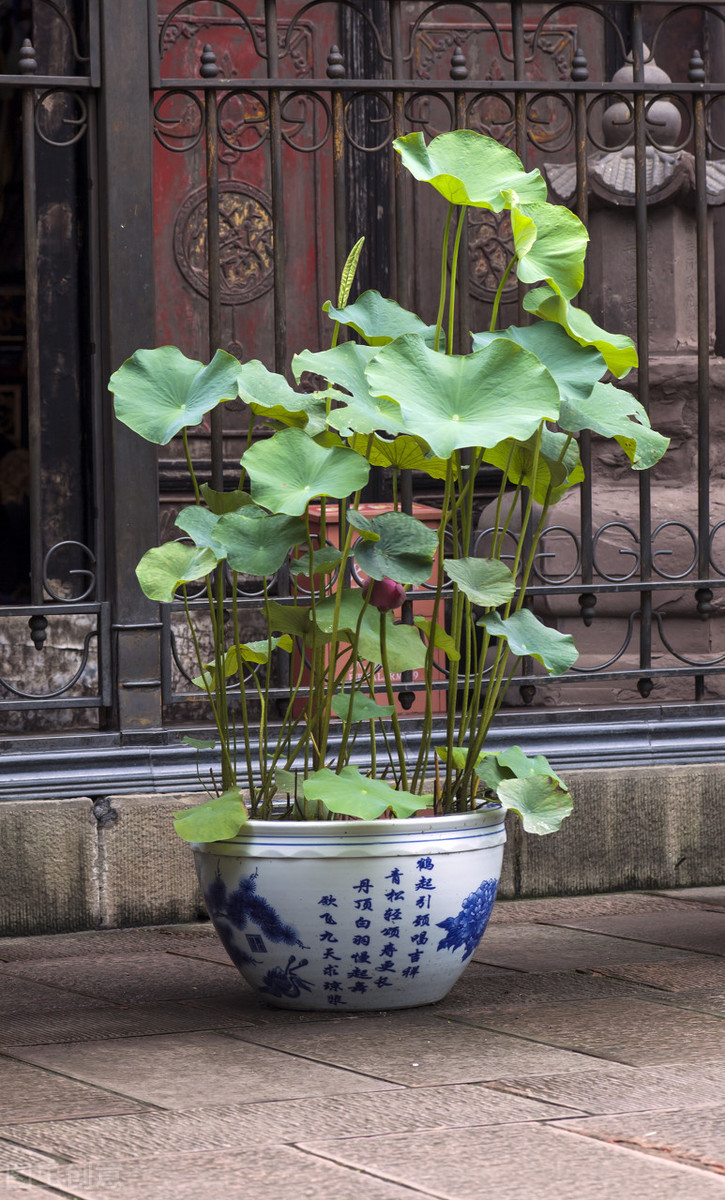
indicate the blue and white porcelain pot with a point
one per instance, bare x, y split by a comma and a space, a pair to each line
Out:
354, 914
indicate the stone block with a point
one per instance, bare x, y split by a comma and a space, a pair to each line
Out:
426, 1050
632, 828
196, 1069
516, 1162
49, 880
147, 874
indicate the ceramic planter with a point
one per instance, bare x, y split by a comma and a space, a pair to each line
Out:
354, 914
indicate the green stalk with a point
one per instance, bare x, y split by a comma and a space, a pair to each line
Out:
499, 294
190, 466
498, 533
220, 677
391, 700
226, 761
354, 687
454, 271
243, 694
426, 734
444, 277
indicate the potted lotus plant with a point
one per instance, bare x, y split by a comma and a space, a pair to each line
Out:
343, 863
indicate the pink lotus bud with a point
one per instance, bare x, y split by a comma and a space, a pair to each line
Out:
385, 594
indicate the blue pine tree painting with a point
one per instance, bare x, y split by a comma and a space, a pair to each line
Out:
232, 911
466, 929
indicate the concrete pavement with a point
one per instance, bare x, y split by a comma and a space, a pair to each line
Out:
581, 1055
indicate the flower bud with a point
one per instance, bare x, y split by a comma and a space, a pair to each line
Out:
385, 594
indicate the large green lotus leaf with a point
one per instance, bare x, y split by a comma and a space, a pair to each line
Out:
406, 651
157, 393
485, 581
364, 707
456, 401
199, 523
554, 474
269, 394
527, 635
289, 618
354, 795
219, 819
163, 569
198, 743
469, 168
551, 244
224, 502
441, 639
248, 652
254, 652
289, 470
514, 760
541, 802
360, 411
403, 452
575, 368
379, 320
363, 524
614, 413
404, 549
324, 562
257, 542
617, 350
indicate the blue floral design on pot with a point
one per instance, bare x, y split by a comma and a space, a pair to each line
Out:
286, 982
467, 928
230, 912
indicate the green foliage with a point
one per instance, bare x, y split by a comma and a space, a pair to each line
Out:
157, 393
395, 396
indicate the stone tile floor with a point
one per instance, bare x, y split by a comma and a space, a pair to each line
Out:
581, 1055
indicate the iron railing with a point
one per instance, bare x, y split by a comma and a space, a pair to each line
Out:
270, 127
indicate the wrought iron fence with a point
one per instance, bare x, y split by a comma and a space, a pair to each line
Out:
272, 127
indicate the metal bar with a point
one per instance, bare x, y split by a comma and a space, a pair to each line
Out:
37, 548
586, 507
154, 58
209, 70
464, 290
517, 28
641, 243
703, 340
401, 83
277, 187
128, 321
402, 284
338, 188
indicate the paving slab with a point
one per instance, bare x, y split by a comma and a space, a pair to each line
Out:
28, 1093
88, 942
510, 989
687, 928
682, 974
97, 1024
518, 912
195, 1070
697, 1138
152, 1133
242, 1174
133, 978
16, 1164
14, 1187
615, 1088
697, 895
535, 947
639, 1032
419, 1050
518, 1162
27, 995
